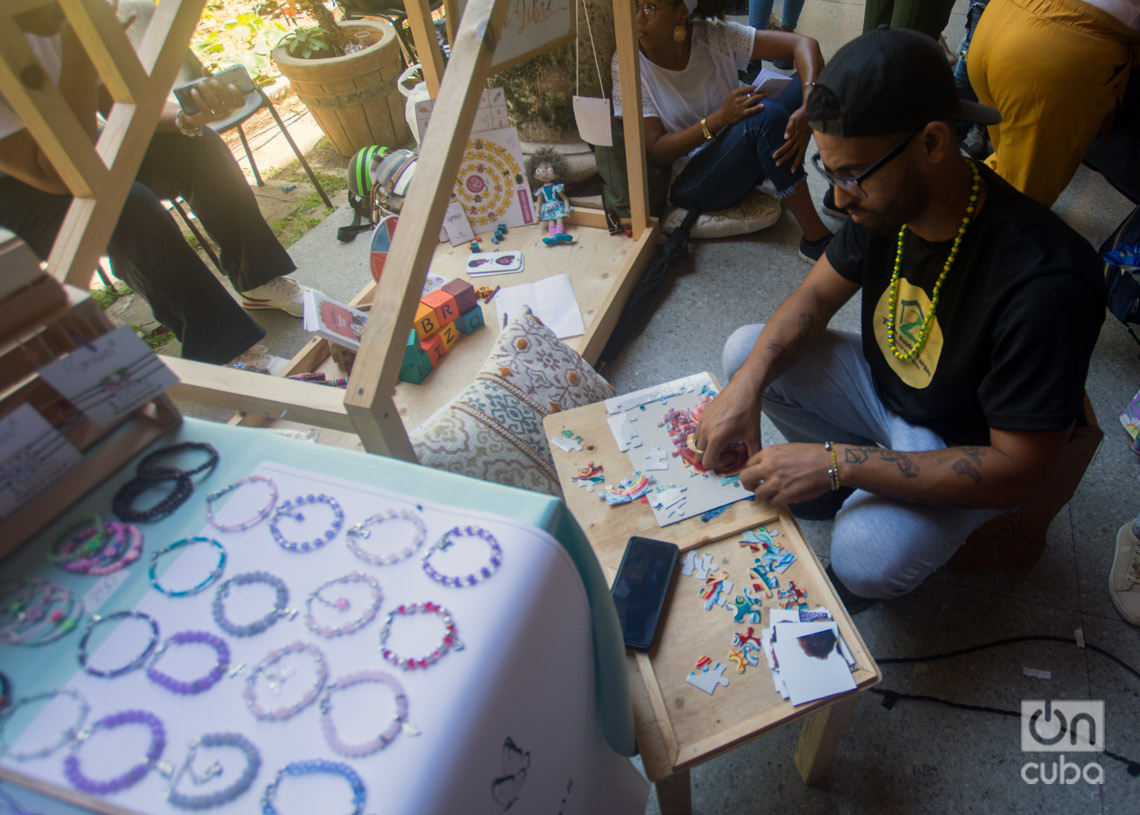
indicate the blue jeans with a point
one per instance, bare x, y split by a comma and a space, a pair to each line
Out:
147, 249
879, 547
961, 77
760, 11
741, 157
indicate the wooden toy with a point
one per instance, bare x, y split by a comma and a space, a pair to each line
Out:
469, 320
449, 335
463, 292
446, 309
426, 322
435, 348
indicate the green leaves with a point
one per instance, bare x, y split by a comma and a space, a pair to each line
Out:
307, 43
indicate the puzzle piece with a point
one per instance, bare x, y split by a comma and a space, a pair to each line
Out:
792, 596
708, 678
567, 441
656, 459
628, 489
738, 658
776, 557
748, 608
689, 563
704, 563
766, 575
742, 640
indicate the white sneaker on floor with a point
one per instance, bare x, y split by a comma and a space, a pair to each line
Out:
280, 293
1124, 579
258, 360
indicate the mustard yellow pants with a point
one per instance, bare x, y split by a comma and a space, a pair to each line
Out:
1056, 70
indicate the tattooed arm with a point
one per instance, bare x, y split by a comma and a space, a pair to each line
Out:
799, 321
1007, 473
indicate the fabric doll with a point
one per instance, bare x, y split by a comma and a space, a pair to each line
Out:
544, 168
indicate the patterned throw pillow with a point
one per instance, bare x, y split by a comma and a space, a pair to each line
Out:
493, 430
755, 211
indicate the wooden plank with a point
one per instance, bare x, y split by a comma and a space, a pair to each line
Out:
85, 802
375, 373
218, 385
820, 738
108, 47
629, 73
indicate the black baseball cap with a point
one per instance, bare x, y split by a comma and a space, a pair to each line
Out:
892, 80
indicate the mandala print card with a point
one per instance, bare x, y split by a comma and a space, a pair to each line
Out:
656, 427
491, 183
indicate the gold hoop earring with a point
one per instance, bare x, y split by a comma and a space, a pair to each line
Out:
679, 33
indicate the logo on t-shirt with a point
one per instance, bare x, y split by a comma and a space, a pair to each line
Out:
913, 306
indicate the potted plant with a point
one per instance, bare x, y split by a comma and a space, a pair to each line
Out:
346, 74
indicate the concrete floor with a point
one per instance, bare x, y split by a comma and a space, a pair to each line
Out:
917, 757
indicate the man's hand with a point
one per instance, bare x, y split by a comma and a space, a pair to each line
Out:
215, 102
788, 473
734, 415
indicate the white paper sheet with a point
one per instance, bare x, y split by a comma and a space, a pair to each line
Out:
551, 299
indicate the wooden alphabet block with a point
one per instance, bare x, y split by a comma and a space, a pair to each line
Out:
444, 304
417, 371
449, 335
463, 292
435, 348
469, 320
426, 322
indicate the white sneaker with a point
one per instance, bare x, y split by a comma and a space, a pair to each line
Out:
280, 292
258, 360
1124, 579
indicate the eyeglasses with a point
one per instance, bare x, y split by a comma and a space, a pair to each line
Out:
649, 10
852, 185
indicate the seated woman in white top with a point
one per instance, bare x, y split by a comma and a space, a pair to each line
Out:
695, 109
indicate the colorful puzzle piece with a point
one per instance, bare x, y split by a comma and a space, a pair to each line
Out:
707, 676
748, 608
628, 489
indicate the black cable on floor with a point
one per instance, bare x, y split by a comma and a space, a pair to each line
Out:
890, 697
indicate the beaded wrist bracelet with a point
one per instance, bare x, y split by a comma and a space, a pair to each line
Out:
444, 543
146, 467
209, 579
450, 641
222, 796
343, 604
399, 723
125, 548
69, 733
123, 503
206, 682
320, 765
361, 532
278, 611
262, 513
292, 509
135, 663
249, 695
132, 776
34, 611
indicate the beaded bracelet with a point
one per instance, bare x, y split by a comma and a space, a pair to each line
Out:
360, 532
343, 604
128, 543
278, 611
122, 504
222, 796
318, 765
135, 663
147, 469
275, 681
450, 641
34, 611
63, 547
5, 691
261, 515
399, 723
82, 709
292, 509
210, 578
444, 543
198, 685
134, 774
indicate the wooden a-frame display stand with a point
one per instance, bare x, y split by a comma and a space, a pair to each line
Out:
378, 411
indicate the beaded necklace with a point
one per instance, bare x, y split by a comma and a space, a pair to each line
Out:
893, 298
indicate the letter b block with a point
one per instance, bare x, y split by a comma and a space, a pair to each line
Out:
426, 323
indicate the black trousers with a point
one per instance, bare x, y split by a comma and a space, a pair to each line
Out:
149, 253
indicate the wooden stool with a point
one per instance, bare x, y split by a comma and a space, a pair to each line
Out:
1017, 540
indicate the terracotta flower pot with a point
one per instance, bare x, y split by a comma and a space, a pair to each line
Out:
355, 98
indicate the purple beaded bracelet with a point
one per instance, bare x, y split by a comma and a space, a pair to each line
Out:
134, 774
249, 695
261, 514
197, 685
400, 722
444, 543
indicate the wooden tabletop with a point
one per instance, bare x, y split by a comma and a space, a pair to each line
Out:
678, 726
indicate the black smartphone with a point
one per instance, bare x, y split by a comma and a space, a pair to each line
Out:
235, 76
639, 590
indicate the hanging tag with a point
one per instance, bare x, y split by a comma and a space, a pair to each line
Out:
593, 117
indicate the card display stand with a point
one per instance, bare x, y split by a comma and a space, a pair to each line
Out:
63, 330
517, 715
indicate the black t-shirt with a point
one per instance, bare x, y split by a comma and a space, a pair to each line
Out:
1016, 323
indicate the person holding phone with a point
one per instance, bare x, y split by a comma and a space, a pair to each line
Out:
147, 249
723, 138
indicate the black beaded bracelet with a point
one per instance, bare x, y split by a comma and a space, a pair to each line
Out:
147, 469
123, 502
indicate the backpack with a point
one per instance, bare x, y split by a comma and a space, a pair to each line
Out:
1121, 254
